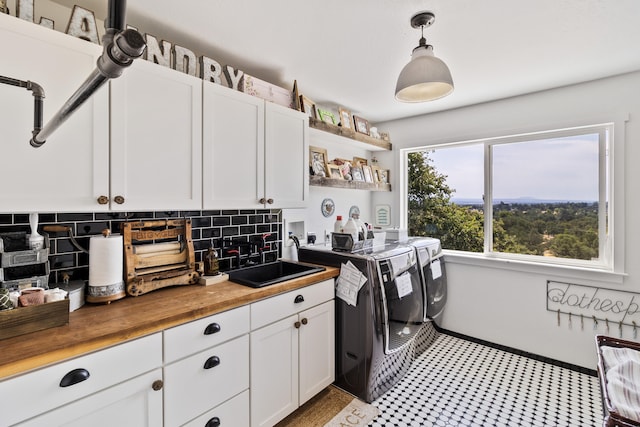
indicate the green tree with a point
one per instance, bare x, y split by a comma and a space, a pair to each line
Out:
431, 212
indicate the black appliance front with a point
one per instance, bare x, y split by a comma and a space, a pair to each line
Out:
368, 363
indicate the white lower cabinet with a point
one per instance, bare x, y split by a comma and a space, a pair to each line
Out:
112, 373
252, 365
206, 370
133, 403
201, 382
292, 358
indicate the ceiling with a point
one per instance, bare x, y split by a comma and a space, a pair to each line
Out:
349, 52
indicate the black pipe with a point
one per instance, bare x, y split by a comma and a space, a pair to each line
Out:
120, 49
38, 97
116, 15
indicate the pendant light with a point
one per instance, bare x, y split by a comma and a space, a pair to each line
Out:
425, 77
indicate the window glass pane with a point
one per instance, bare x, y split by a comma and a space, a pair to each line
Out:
445, 187
545, 196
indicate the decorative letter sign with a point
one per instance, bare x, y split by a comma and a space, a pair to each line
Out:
616, 306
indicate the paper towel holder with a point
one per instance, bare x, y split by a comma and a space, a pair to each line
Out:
105, 268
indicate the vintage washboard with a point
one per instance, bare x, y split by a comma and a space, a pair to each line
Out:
158, 254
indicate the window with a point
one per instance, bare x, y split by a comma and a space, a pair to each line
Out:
540, 197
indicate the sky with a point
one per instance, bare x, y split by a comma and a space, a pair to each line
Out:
553, 169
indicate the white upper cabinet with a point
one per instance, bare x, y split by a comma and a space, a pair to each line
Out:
254, 152
233, 149
286, 157
156, 139
68, 171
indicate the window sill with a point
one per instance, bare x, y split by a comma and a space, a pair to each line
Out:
551, 270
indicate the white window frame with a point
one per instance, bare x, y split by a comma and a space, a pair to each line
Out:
610, 266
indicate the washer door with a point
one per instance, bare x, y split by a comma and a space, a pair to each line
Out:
402, 299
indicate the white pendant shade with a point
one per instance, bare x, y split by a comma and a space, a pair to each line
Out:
424, 78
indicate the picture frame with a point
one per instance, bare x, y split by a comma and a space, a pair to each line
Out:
335, 172
360, 161
345, 118
326, 116
374, 174
382, 215
356, 174
383, 176
367, 173
362, 125
318, 161
308, 107
385, 136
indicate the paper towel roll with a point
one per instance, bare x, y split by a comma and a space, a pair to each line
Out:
105, 268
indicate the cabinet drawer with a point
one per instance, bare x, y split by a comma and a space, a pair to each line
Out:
198, 335
190, 388
284, 305
40, 391
232, 413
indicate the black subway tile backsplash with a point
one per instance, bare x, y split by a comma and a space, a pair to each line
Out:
221, 228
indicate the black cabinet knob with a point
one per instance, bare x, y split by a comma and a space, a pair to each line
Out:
213, 422
304, 321
212, 362
299, 299
212, 329
74, 377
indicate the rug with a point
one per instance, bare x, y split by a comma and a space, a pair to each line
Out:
329, 405
356, 413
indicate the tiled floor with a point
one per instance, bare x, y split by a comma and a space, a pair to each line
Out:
460, 383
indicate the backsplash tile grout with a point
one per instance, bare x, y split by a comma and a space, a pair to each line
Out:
224, 229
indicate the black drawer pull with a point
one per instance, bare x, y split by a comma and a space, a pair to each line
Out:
212, 362
299, 299
212, 328
74, 377
213, 422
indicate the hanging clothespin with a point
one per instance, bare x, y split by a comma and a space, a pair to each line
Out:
558, 317
581, 322
620, 328
569, 320
635, 330
595, 323
606, 325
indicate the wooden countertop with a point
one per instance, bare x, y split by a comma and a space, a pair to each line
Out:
94, 327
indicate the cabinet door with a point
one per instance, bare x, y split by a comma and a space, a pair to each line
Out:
70, 170
274, 372
286, 157
233, 149
132, 403
317, 350
156, 139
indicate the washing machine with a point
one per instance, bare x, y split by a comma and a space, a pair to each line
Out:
376, 330
434, 288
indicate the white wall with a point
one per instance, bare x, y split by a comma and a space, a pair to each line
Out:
508, 306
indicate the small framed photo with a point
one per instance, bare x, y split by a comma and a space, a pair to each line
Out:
345, 118
326, 116
308, 106
383, 176
367, 173
385, 136
335, 172
375, 170
359, 161
362, 125
356, 174
318, 161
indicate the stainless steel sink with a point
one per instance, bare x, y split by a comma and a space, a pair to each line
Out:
262, 275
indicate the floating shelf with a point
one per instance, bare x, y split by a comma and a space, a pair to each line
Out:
367, 142
321, 181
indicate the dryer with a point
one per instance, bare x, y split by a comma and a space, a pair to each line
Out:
375, 338
434, 287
